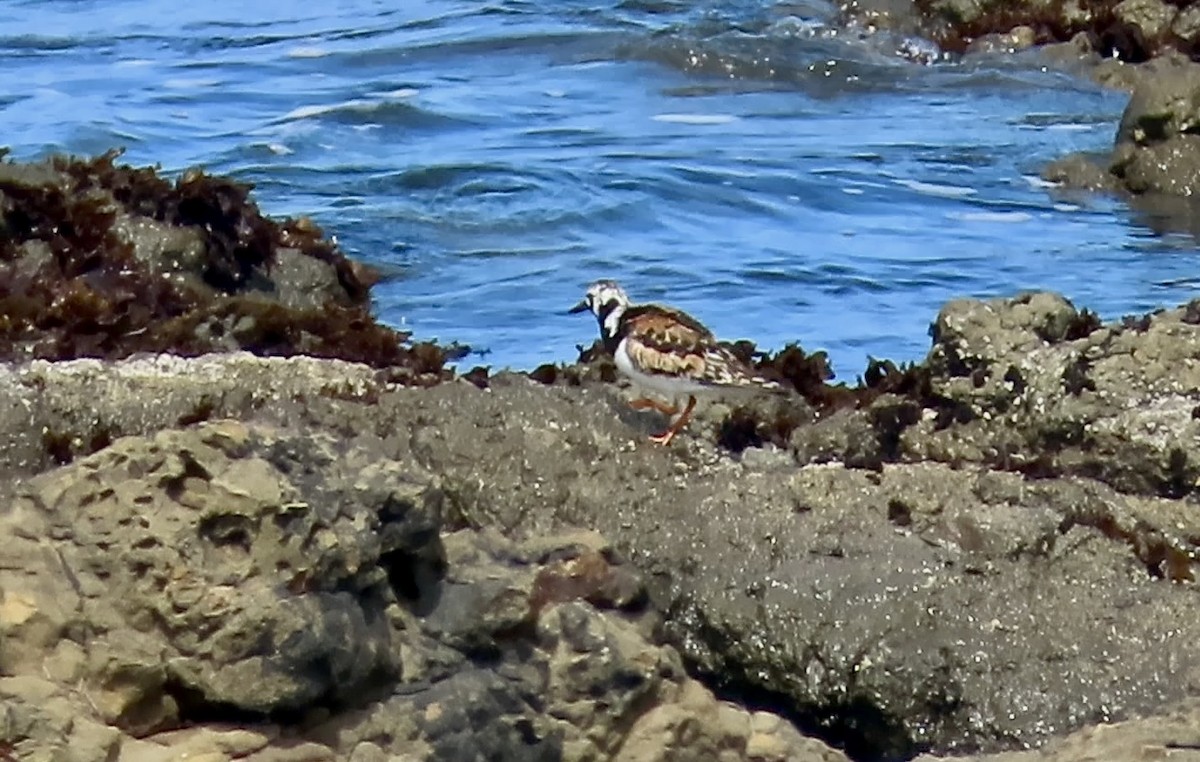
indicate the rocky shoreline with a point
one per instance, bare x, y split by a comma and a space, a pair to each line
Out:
245, 521
295, 553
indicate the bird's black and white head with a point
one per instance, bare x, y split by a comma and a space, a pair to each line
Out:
608, 302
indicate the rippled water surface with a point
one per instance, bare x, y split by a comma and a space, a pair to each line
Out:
739, 159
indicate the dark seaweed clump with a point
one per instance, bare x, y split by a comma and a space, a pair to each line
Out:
74, 283
809, 374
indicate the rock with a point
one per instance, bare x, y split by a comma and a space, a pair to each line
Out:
1173, 735
1156, 151
49, 422
959, 12
1171, 168
1017, 39
215, 744
223, 579
249, 572
1081, 171
1076, 53
898, 16
1186, 25
106, 260
1151, 18
1053, 390
1164, 106
974, 558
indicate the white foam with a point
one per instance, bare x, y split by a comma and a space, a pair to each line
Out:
934, 189
307, 51
695, 118
307, 112
1037, 182
361, 105
189, 83
991, 216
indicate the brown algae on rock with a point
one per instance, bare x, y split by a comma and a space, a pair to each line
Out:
104, 260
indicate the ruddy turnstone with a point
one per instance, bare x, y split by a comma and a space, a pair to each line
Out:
667, 351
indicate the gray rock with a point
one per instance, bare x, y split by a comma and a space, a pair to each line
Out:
1156, 151
1114, 404
206, 571
959, 12
944, 601
253, 571
1171, 167
1152, 18
1081, 171
1174, 735
1017, 39
1076, 54
1166, 104
173, 252
917, 606
1187, 24
899, 16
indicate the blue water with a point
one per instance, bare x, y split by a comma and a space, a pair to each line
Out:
746, 161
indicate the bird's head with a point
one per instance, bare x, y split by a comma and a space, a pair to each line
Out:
607, 301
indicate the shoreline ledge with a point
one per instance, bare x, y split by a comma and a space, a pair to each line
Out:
365, 557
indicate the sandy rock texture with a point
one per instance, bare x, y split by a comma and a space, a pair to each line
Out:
248, 591
296, 557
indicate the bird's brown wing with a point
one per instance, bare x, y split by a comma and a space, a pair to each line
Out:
663, 341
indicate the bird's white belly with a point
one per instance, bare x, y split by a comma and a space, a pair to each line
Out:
667, 385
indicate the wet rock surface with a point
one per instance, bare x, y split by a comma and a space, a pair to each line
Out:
1156, 154
253, 592
990, 555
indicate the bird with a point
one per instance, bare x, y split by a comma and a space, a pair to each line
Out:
667, 351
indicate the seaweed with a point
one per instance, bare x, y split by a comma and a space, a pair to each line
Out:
72, 284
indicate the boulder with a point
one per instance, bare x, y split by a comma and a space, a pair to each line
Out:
1157, 149
256, 592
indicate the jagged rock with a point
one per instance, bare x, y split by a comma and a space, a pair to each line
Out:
1173, 735
236, 591
1187, 25
1082, 172
979, 560
207, 574
1157, 150
1046, 388
1016, 39
1151, 18
99, 259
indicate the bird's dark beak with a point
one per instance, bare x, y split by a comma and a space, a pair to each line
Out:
581, 307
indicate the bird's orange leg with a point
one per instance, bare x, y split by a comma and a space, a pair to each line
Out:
645, 403
666, 437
